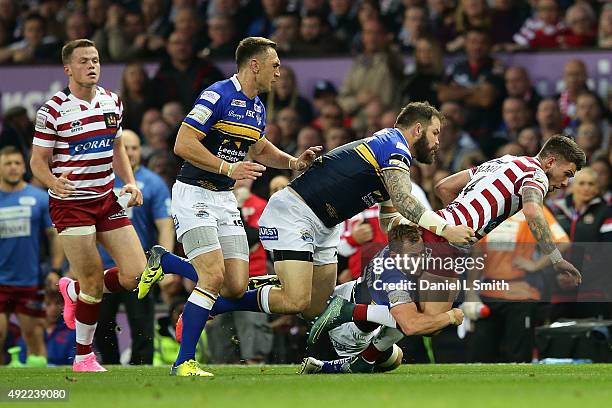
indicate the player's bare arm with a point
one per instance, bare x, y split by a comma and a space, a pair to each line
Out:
399, 187
449, 187
269, 155
123, 169
534, 214
60, 186
189, 148
414, 323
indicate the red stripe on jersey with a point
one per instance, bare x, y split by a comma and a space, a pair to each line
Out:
523, 166
101, 189
478, 207
507, 197
533, 161
83, 163
87, 135
84, 121
61, 150
57, 100
51, 110
45, 136
455, 218
510, 174
90, 176
466, 215
492, 202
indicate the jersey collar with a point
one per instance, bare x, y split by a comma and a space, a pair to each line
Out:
236, 83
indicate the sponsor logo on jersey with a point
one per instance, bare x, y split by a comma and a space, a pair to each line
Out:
76, 126
268, 234
108, 106
257, 108
68, 111
210, 96
94, 144
233, 114
238, 102
200, 114
41, 121
306, 236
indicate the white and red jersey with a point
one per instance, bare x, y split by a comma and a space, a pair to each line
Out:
495, 192
81, 134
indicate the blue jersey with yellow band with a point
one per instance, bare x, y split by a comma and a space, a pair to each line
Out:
229, 123
349, 179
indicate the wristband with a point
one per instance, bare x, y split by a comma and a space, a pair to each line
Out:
291, 159
221, 167
432, 222
555, 256
230, 170
451, 314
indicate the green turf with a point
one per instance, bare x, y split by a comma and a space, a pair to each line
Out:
421, 386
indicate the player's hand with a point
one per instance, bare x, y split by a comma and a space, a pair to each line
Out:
473, 309
459, 234
136, 198
458, 314
362, 233
564, 267
247, 170
307, 157
62, 187
525, 264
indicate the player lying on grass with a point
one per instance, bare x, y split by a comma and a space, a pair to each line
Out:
390, 285
482, 198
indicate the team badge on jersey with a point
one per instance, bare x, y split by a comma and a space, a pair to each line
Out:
239, 103
200, 114
111, 120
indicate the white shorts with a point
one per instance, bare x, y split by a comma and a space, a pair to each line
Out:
348, 339
288, 224
194, 206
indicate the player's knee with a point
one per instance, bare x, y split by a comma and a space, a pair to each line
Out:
298, 304
234, 290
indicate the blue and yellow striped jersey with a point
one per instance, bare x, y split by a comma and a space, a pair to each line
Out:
230, 123
349, 179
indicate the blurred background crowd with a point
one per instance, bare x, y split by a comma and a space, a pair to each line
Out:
490, 110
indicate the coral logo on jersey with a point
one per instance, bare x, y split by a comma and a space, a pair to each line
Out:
200, 114
238, 102
268, 234
94, 144
210, 96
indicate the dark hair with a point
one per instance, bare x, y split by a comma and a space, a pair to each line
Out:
36, 17
69, 48
401, 233
250, 47
565, 148
5, 151
414, 112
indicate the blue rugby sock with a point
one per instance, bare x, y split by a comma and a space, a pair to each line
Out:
180, 266
249, 302
195, 315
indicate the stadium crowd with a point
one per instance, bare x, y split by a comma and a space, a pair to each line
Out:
490, 110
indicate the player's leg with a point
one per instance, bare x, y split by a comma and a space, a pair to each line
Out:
32, 331
105, 338
384, 340
389, 360
323, 283
3, 333
79, 245
125, 249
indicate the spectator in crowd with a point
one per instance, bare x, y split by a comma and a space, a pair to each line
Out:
262, 26
476, 80
252, 329
17, 130
515, 115
518, 85
530, 139
507, 16
307, 137
455, 144
342, 19
25, 208
337, 136
187, 21
441, 15
388, 118
589, 109
157, 139
604, 39
150, 116
331, 116
582, 27
35, 47
373, 113
545, 30
575, 82
470, 14
507, 334
223, 40
374, 73
314, 7
413, 28
153, 225
315, 38
173, 114
165, 165
324, 92
586, 218
8, 18
182, 76
422, 83
137, 94
122, 37
513, 149
603, 168
455, 112
157, 26
286, 32
288, 120
549, 119
77, 26
97, 12
285, 94
588, 137
60, 341
242, 14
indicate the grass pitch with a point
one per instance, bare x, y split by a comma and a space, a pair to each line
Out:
421, 386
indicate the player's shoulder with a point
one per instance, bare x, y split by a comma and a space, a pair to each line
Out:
219, 91
108, 95
53, 105
389, 141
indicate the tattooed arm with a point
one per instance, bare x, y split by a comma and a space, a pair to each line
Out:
399, 187
534, 214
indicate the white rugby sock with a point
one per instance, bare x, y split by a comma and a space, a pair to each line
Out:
381, 314
386, 338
